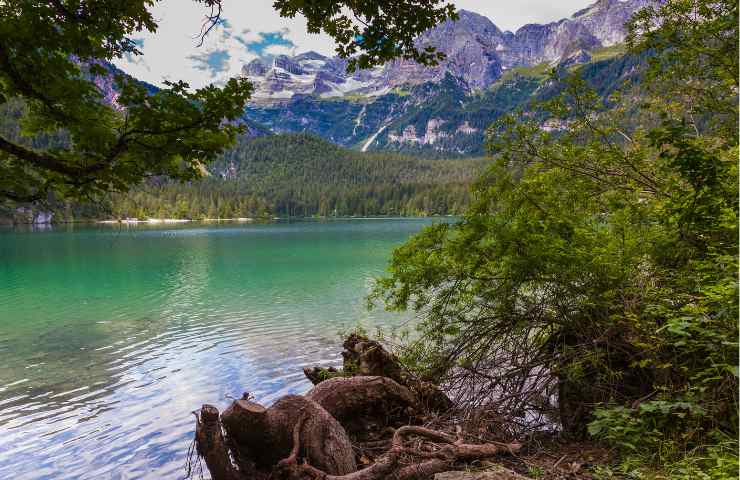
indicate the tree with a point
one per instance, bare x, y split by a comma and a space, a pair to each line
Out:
53, 52
598, 262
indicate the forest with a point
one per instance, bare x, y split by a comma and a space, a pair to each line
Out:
290, 175
299, 175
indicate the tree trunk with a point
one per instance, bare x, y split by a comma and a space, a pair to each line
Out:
211, 445
364, 403
265, 434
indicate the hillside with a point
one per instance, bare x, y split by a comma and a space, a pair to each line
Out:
328, 123
301, 175
438, 120
275, 175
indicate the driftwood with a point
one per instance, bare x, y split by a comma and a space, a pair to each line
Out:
310, 437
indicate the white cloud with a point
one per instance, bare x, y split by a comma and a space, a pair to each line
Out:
172, 52
280, 50
514, 14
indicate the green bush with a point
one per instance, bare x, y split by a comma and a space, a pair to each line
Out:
597, 263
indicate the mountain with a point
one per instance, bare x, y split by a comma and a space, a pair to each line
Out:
431, 110
106, 84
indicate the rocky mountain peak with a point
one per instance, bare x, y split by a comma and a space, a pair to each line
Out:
605, 19
311, 56
477, 52
255, 68
475, 23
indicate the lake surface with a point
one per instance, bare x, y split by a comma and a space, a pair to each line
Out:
111, 336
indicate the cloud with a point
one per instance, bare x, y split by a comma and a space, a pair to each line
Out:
253, 29
250, 29
214, 62
137, 60
267, 44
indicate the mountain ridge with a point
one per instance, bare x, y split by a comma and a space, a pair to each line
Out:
476, 50
406, 107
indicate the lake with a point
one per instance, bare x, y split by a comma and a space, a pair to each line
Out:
111, 336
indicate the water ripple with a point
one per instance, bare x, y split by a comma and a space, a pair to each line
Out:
109, 339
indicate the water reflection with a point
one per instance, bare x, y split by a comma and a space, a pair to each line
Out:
109, 338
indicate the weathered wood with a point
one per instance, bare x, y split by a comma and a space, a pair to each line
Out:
389, 468
211, 445
266, 434
306, 437
359, 403
368, 358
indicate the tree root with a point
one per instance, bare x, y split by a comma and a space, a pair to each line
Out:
389, 467
364, 404
368, 358
308, 437
266, 434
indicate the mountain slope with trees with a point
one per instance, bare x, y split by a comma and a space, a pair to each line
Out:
302, 175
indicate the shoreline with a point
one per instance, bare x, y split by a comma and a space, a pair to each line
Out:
175, 221
157, 221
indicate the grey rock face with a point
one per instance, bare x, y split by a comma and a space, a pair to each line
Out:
439, 110
579, 56
470, 45
477, 52
535, 44
255, 68
605, 19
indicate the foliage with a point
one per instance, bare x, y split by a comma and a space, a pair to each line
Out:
377, 30
53, 58
50, 57
598, 263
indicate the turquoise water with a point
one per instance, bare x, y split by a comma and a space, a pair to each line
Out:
111, 336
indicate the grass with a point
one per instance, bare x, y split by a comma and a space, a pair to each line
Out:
606, 53
538, 72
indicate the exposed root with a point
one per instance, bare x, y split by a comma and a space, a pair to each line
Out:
368, 358
390, 467
308, 437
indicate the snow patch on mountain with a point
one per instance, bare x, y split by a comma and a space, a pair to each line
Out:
477, 53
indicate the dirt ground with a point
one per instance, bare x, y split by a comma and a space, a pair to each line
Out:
550, 458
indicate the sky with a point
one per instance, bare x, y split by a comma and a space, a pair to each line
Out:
252, 29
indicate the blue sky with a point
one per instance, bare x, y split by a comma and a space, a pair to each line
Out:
252, 29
